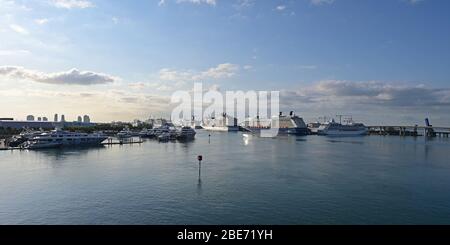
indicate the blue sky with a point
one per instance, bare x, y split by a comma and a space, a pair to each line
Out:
367, 58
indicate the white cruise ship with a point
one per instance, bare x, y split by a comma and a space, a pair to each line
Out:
223, 123
333, 128
290, 124
59, 138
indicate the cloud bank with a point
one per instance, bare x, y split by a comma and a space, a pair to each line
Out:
372, 93
71, 77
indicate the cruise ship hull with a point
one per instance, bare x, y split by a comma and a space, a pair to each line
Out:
222, 129
282, 131
342, 133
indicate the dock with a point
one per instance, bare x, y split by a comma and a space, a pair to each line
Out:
428, 131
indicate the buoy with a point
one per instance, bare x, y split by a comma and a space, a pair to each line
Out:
199, 158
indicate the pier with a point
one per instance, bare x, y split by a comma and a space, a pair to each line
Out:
428, 131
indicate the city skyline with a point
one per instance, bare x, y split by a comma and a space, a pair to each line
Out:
381, 61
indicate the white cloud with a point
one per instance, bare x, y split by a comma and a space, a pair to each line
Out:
370, 93
115, 20
161, 2
209, 2
280, 7
71, 77
72, 4
242, 4
414, 1
13, 5
41, 21
18, 52
321, 2
221, 71
19, 29
308, 67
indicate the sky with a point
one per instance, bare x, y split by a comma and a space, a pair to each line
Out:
381, 61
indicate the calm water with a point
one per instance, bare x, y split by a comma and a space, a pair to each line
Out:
289, 180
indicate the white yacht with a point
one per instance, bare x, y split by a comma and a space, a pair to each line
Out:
125, 133
186, 133
333, 128
146, 133
24, 136
166, 128
58, 138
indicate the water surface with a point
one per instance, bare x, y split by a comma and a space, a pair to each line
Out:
287, 180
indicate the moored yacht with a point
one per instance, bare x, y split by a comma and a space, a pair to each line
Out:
125, 133
58, 138
146, 133
186, 133
24, 136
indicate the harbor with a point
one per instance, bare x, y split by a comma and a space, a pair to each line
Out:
166, 131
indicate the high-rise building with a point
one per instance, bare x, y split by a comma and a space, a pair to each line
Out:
80, 119
45, 119
63, 118
86, 119
30, 118
56, 118
39, 119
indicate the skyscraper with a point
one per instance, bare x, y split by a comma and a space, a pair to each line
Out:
63, 118
56, 118
86, 119
30, 118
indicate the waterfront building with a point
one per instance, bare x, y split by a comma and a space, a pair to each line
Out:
55, 118
80, 120
30, 118
63, 118
45, 119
